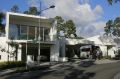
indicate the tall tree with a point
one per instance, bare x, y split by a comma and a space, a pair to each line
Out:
32, 10
113, 27
113, 1
108, 27
15, 9
68, 27
60, 22
2, 26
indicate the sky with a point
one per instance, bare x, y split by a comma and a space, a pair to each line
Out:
89, 16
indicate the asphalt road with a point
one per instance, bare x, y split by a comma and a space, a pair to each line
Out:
71, 71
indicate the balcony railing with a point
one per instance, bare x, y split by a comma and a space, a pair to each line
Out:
46, 38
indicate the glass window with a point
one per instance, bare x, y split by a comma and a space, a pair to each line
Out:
23, 32
46, 34
41, 33
13, 31
31, 32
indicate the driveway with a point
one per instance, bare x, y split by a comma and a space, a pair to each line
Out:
71, 70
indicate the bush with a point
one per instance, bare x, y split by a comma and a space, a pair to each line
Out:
11, 64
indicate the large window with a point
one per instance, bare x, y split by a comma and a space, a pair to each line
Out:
13, 31
31, 34
46, 34
23, 32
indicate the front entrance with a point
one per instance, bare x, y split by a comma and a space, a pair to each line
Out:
32, 49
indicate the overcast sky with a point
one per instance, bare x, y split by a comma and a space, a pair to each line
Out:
89, 16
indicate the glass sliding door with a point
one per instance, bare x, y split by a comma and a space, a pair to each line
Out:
46, 34
13, 31
31, 33
41, 33
23, 32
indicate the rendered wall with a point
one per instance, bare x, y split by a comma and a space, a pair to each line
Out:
3, 45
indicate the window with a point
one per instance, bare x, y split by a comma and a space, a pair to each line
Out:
23, 32
41, 33
46, 34
0, 57
13, 31
31, 34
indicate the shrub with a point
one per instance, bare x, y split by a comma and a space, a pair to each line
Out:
11, 64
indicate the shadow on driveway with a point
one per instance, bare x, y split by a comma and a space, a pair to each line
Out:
62, 72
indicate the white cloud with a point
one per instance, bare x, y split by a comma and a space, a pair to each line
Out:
98, 10
87, 20
92, 29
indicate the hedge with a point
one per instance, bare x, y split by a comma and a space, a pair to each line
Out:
11, 64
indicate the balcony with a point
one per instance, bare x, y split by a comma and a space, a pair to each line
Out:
24, 32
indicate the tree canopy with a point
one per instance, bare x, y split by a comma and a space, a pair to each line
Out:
32, 10
113, 27
2, 26
113, 1
15, 8
67, 27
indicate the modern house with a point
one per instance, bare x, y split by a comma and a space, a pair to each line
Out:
25, 34
24, 30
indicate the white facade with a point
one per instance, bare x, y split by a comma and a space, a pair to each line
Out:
103, 42
23, 29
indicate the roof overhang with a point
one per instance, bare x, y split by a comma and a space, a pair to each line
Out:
16, 18
78, 42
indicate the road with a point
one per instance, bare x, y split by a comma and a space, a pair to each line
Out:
71, 71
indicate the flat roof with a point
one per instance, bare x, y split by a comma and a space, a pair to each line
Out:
26, 15
17, 18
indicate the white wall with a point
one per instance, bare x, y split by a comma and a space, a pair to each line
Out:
54, 52
112, 51
4, 55
104, 50
3, 45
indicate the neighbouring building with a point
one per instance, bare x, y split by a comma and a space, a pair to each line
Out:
109, 45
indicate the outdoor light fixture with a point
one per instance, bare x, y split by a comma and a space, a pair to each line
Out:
52, 6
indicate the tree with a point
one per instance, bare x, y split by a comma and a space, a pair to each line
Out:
2, 26
32, 10
60, 27
108, 27
113, 27
111, 1
15, 9
68, 27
